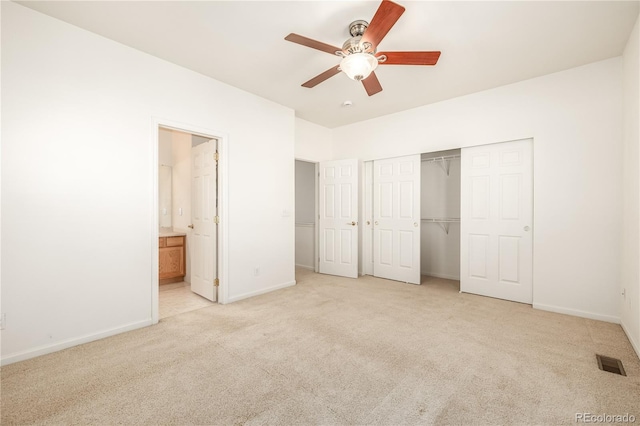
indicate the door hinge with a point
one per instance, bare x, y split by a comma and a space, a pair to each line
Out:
216, 156
216, 282
216, 219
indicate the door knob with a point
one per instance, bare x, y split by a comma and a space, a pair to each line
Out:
526, 228
351, 223
368, 222
376, 222
415, 224
190, 226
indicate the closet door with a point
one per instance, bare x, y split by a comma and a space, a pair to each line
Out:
338, 221
496, 243
396, 215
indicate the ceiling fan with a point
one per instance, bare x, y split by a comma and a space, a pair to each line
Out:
359, 53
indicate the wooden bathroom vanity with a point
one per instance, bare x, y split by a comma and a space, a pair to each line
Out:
173, 258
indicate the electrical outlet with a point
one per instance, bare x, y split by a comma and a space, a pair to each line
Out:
256, 271
3, 321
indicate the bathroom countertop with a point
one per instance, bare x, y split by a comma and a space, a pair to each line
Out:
170, 233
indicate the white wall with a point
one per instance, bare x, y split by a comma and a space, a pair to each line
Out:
77, 160
313, 142
181, 191
197, 140
165, 172
165, 137
181, 194
305, 191
630, 304
305, 214
305, 245
574, 117
439, 198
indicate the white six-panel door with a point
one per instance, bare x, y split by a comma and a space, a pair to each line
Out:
496, 246
396, 215
338, 221
203, 213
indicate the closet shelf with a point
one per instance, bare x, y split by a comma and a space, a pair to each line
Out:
444, 162
443, 222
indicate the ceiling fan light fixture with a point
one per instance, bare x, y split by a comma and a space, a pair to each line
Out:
358, 66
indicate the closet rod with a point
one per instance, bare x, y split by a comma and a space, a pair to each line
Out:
444, 162
442, 222
446, 157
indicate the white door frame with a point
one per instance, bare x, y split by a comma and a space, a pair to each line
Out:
366, 218
316, 220
223, 207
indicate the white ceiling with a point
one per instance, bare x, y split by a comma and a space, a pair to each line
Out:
483, 44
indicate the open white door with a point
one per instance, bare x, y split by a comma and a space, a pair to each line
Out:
338, 218
204, 211
496, 247
396, 215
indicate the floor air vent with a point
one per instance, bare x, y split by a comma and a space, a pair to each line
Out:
612, 365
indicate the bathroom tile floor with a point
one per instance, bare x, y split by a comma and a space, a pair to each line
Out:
178, 298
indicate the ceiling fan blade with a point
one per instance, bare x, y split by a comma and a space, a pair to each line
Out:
314, 44
386, 16
322, 77
371, 84
410, 58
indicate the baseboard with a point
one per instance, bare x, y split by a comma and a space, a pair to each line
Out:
445, 276
311, 268
577, 313
261, 291
170, 280
55, 347
634, 344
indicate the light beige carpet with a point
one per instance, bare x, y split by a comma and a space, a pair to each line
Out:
336, 351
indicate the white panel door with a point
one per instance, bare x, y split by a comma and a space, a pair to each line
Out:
338, 221
396, 215
204, 240
496, 247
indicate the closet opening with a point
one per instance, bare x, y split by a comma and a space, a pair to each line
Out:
462, 219
187, 261
411, 218
306, 217
440, 188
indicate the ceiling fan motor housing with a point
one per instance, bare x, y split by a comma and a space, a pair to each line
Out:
354, 44
357, 28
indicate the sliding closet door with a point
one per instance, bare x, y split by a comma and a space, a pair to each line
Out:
338, 222
396, 215
496, 246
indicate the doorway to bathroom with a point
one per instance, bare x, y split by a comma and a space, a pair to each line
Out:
187, 276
